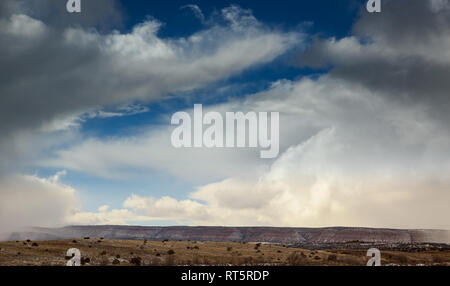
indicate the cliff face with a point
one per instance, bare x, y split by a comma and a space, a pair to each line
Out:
247, 234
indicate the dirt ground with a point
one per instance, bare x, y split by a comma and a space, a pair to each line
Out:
106, 252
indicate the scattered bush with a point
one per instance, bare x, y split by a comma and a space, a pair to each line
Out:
332, 257
87, 237
136, 261
85, 260
74, 241
170, 252
103, 252
116, 261
296, 259
229, 248
35, 244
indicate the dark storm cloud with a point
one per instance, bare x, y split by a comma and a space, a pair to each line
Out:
402, 52
101, 14
54, 69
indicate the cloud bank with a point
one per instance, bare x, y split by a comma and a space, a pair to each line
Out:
364, 145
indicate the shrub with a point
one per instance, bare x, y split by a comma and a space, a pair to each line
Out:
332, 257
296, 259
34, 244
116, 261
136, 261
85, 260
170, 252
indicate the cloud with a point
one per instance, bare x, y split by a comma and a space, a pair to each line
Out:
30, 200
364, 145
51, 74
100, 14
401, 52
196, 10
357, 159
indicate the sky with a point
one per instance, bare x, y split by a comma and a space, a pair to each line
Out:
86, 101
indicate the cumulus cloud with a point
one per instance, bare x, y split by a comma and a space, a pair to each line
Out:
364, 145
30, 200
375, 164
51, 74
59, 70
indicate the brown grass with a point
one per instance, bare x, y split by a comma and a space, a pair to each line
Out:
150, 253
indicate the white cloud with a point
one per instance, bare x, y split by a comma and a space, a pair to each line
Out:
29, 201
47, 90
356, 158
196, 10
363, 145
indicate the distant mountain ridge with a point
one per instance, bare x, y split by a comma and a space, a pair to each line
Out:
281, 235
